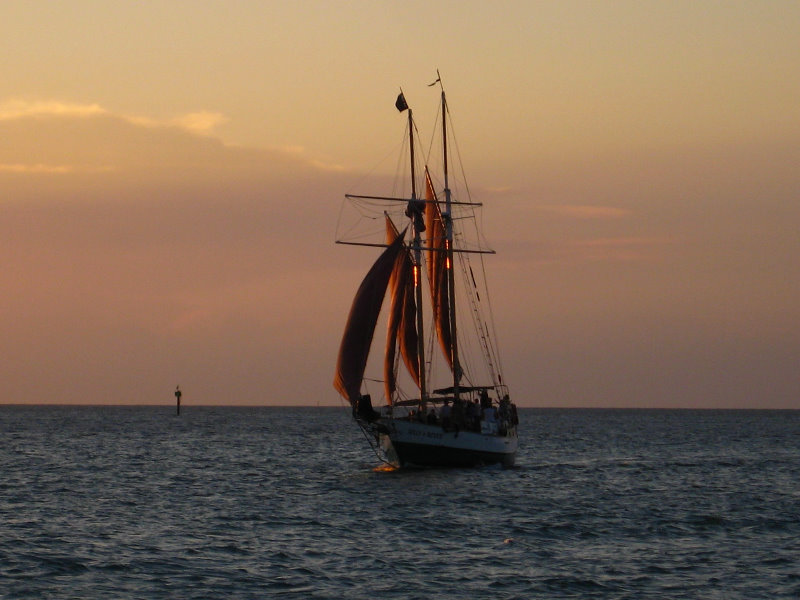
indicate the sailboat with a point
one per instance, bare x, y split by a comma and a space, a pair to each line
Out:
458, 412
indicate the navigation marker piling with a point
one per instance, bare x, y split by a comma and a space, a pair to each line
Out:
178, 395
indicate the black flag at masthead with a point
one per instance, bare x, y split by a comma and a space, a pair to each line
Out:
401, 102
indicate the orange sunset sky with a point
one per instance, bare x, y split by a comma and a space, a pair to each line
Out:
171, 174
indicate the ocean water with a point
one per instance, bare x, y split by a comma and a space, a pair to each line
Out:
134, 502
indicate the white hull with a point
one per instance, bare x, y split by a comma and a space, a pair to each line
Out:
409, 443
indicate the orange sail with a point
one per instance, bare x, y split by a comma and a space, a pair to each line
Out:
360, 327
437, 270
402, 328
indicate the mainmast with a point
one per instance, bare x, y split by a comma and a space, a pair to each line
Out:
448, 219
415, 213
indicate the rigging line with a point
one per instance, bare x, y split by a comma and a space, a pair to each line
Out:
401, 393
490, 345
478, 321
491, 336
491, 322
485, 335
463, 178
473, 294
425, 156
373, 445
434, 133
396, 149
402, 160
339, 221
431, 349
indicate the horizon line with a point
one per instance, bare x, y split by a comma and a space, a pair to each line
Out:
184, 406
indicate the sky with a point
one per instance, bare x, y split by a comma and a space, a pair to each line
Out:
171, 175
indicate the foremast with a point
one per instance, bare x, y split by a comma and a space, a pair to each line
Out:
414, 212
430, 207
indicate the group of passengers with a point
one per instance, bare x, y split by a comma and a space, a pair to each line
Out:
464, 415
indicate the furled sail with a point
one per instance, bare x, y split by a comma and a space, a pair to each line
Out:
360, 327
402, 328
437, 270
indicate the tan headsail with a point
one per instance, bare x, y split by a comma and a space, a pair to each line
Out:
402, 327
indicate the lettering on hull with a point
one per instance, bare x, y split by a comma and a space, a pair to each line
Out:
431, 435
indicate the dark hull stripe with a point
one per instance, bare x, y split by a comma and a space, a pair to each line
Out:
424, 455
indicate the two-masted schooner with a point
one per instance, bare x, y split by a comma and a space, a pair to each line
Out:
459, 413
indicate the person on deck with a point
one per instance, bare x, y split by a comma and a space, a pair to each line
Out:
444, 415
474, 416
458, 416
432, 420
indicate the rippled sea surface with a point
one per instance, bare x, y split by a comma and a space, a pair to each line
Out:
134, 502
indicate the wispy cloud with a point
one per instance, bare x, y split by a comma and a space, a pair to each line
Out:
593, 250
199, 122
616, 249
619, 249
20, 109
587, 212
301, 153
40, 168
98, 141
